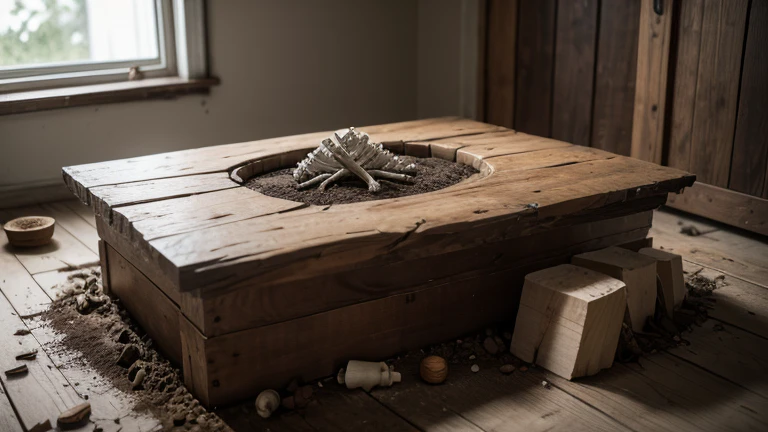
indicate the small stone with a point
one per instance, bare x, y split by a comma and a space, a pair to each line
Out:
507, 369
129, 355
475, 368
490, 346
546, 385
472, 357
75, 414
179, 418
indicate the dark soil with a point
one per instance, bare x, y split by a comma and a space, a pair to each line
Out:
28, 224
433, 174
99, 328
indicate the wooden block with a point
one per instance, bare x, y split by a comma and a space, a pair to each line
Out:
669, 269
637, 271
569, 320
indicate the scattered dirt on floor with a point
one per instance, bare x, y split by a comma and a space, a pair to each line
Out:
99, 327
433, 174
663, 332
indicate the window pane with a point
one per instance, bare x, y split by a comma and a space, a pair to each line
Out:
45, 32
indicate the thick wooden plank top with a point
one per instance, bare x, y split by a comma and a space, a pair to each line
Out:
181, 211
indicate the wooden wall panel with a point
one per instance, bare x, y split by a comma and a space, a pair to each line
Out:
615, 75
575, 38
683, 75
500, 75
750, 146
717, 87
653, 44
535, 65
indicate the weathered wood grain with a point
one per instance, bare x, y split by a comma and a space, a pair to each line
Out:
40, 395
251, 304
615, 69
8, 420
664, 393
750, 144
107, 402
105, 198
217, 159
64, 250
274, 241
574, 70
729, 352
737, 303
717, 90
489, 401
75, 224
500, 61
724, 250
733, 208
152, 220
82, 210
683, 73
17, 285
535, 67
152, 309
651, 82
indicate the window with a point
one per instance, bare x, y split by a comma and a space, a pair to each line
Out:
61, 43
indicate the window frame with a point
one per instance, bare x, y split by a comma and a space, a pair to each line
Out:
181, 53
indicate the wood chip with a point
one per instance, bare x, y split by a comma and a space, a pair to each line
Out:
30, 355
22, 332
75, 414
19, 370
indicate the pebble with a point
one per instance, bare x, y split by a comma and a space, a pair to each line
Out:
490, 346
472, 357
546, 385
507, 369
475, 368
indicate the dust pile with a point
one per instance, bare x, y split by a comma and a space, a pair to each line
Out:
433, 174
98, 326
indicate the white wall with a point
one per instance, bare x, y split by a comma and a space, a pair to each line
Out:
286, 67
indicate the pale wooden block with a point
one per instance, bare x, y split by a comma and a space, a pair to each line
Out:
569, 320
638, 272
669, 269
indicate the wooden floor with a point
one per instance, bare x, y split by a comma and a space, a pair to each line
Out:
718, 383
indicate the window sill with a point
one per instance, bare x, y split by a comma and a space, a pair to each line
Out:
151, 88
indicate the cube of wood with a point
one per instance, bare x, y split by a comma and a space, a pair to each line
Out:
669, 269
637, 271
569, 320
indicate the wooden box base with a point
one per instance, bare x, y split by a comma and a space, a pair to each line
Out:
226, 368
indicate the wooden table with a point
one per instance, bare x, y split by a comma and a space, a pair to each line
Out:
248, 291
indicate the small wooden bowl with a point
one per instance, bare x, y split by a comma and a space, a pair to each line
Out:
30, 231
